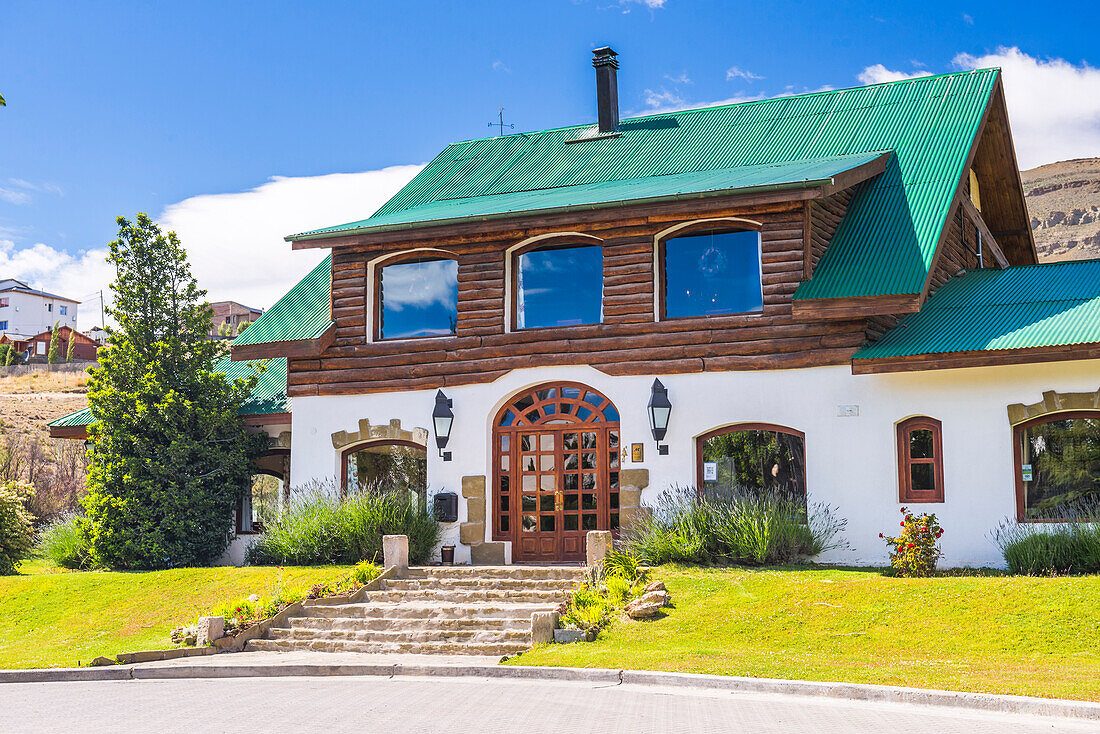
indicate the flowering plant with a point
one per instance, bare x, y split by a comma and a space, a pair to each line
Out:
915, 551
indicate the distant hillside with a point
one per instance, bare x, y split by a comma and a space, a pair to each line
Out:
1063, 200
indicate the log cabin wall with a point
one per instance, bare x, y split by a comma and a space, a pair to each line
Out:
629, 341
825, 216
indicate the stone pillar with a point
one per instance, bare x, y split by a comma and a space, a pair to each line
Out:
543, 625
209, 629
597, 544
395, 552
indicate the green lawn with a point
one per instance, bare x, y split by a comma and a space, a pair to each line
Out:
51, 618
987, 633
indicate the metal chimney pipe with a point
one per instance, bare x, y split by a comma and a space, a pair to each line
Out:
607, 88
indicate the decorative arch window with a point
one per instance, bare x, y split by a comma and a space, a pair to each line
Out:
386, 466
920, 460
752, 456
417, 297
710, 272
1057, 465
558, 285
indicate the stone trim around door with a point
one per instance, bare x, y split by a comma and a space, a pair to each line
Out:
631, 510
1053, 402
472, 532
367, 432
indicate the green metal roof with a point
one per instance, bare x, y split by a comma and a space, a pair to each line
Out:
1053, 304
268, 396
303, 313
769, 176
885, 243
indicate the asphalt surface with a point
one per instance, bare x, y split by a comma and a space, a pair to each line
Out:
456, 705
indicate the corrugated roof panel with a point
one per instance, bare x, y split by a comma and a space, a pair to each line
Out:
1054, 304
303, 313
268, 396
930, 122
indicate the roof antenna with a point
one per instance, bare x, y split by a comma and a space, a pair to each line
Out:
500, 122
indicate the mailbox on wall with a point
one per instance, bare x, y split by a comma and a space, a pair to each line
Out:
446, 507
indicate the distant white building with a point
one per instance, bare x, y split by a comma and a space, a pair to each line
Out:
26, 311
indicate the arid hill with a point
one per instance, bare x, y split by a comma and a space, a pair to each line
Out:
1063, 200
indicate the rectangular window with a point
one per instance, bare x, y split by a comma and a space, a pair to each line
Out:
559, 287
49, 307
712, 274
920, 460
1058, 466
3, 303
3, 325
64, 310
418, 298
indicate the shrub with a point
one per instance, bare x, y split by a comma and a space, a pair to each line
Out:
915, 551
64, 543
622, 565
618, 590
16, 526
318, 527
365, 572
750, 527
587, 608
1070, 545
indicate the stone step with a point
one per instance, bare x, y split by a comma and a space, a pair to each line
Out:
422, 610
500, 572
467, 596
386, 648
464, 636
412, 624
475, 583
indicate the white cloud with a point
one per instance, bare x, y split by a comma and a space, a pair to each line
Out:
662, 99
683, 78
1053, 105
735, 72
14, 197
234, 241
968, 19
878, 73
651, 4
499, 65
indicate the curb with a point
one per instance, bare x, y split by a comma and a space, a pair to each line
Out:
808, 689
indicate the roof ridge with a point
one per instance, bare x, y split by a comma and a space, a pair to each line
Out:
691, 110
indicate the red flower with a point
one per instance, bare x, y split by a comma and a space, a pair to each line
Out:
902, 524
880, 535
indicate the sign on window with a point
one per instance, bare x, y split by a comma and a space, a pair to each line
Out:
1025, 471
710, 471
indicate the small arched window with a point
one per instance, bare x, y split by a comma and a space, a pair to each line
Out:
417, 297
711, 272
1058, 466
558, 286
920, 460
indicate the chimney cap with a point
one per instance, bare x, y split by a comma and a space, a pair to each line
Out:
605, 56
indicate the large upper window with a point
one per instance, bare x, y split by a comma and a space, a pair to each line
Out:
920, 460
753, 457
1058, 466
560, 286
387, 467
418, 298
707, 274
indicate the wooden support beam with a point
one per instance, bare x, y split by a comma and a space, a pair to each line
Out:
988, 240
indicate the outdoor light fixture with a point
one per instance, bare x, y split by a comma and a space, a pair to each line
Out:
659, 410
442, 418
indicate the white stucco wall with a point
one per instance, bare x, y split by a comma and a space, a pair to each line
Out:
850, 461
27, 314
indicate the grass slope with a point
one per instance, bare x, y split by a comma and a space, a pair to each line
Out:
991, 634
54, 619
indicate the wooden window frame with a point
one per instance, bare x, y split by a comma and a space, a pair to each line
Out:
376, 307
692, 229
344, 453
906, 493
736, 428
1018, 455
565, 243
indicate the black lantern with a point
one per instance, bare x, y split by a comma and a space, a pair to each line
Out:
442, 418
659, 410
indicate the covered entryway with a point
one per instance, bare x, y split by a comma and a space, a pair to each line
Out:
556, 471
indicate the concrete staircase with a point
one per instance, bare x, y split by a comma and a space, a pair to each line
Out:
461, 610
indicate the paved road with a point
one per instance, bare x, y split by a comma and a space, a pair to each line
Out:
455, 706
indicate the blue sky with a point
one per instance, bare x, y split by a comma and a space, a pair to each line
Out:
115, 108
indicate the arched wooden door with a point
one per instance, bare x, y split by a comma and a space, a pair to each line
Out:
556, 471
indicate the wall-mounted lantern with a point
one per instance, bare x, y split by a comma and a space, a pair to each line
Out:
659, 410
442, 418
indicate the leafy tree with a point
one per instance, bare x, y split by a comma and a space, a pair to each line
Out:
4, 349
170, 456
69, 349
242, 326
2, 102
16, 528
55, 348
11, 356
